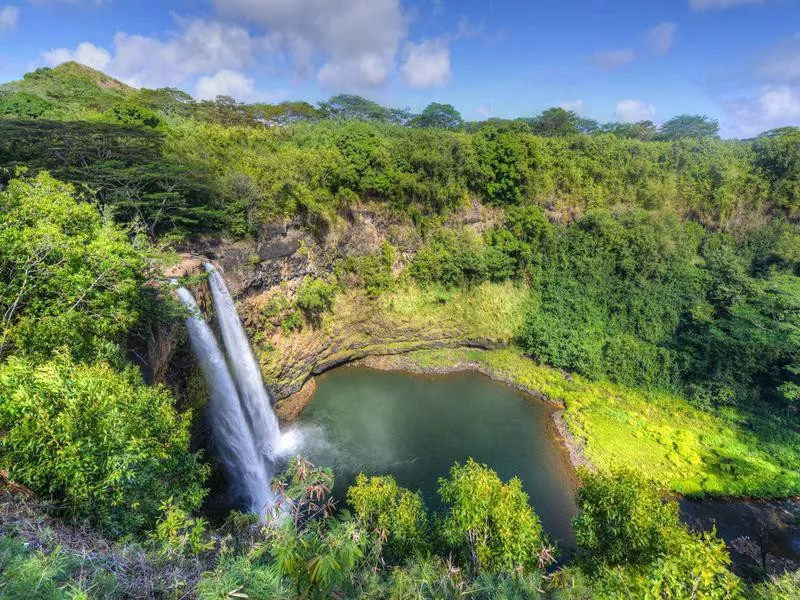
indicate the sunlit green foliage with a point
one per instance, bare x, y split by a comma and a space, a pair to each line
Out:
778, 154
438, 116
395, 514
25, 573
68, 277
451, 258
779, 587
622, 520
109, 448
689, 126
178, 532
314, 297
72, 89
22, 105
489, 524
632, 544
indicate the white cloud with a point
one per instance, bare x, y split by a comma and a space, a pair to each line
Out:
782, 64
85, 53
773, 106
225, 83
773, 99
357, 40
484, 110
633, 111
613, 59
719, 4
661, 38
199, 47
9, 18
426, 64
573, 105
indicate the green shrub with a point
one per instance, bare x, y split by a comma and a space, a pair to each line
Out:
23, 104
50, 576
68, 277
451, 258
489, 524
697, 566
778, 587
397, 515
374, 270
241, 576
318, 553
105, 446
292, 322
622, 520
179, 533
314, 297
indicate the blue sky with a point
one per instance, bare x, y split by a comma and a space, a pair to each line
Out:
734, 60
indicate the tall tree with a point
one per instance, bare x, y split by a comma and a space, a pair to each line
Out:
643, 130
438, 116
555, 122
349, 106
689, 126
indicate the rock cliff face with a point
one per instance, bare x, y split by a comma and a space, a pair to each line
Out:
277, 261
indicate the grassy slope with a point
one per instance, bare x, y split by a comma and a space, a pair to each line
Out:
74, 89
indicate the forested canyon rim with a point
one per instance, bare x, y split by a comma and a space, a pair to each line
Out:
643, 279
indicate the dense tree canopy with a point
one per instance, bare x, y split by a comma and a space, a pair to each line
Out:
68, 277
108, 447
660, 262
689, 126
438, 116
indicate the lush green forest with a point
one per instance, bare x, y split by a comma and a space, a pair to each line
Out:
662, 260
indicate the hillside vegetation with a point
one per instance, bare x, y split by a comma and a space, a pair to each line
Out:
646, 277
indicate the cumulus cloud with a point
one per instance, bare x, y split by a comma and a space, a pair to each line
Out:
633, 111
225, 83
774, 98
613, 59
199, 47
426, 64
573, 105
782, 64
85, 53
9, 18
773, 106
484, 110
358, 40
661, 38
719, 4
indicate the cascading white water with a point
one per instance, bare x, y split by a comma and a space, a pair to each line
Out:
248, 472
246, 372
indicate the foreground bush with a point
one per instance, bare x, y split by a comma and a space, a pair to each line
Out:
107, 447
489, 524
622, 520
632, 545
396, 514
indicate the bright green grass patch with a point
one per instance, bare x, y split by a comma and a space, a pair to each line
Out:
489, 310
683, 448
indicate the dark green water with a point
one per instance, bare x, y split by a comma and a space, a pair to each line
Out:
415, 428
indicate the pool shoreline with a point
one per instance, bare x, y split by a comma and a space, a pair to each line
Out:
290, 408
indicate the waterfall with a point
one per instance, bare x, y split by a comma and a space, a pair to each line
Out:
246, 372
248, 472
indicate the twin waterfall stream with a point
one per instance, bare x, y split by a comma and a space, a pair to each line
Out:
243, 425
